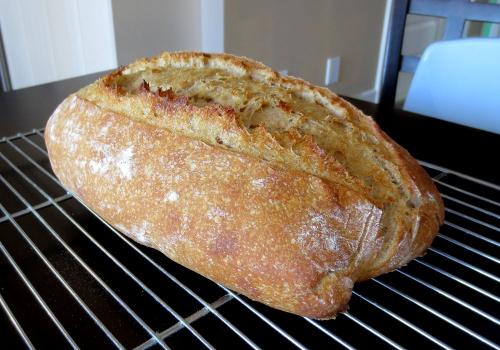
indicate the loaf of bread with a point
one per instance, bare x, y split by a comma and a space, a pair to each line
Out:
273, 187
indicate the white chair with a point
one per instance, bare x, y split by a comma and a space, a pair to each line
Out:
459, 81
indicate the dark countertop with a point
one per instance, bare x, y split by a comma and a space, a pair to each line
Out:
25, 109
471, 151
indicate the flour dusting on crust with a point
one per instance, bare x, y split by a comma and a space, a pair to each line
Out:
125, 163
259, 183
139, 232
171, 196
112, 161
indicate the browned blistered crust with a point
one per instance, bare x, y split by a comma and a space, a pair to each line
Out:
267, 184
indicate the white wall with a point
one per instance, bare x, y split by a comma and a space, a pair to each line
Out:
55, 39
212, 25
299, 35
145, 28
48, 40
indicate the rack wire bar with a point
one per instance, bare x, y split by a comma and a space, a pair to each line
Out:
469, 248
15, 323
474, 195
158, 338
330, 334
60, 278
191, 318
19, 134
196, 316
39, 132
119, 264
373, 331
402, 320
475, 207
459, 174
37, 296
264, 318
439, 176
465, 264
459, 280
470, 218
40, 149
37, 207
438, 314
71, 251
451, 297
471, 233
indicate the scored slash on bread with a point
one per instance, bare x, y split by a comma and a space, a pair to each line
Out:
274, 187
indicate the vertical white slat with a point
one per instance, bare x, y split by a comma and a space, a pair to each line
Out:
48, 40
64, 32
15, 44
39, 46
98, 38
78, 36
212, 25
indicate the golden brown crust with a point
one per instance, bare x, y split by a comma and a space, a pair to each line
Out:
279, 236
290, 215
425, 220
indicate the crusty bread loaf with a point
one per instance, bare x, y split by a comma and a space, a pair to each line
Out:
267, 184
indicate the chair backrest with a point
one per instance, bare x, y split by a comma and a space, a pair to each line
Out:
459, 81
456, 13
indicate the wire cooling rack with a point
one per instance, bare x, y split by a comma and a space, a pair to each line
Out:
69, 280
